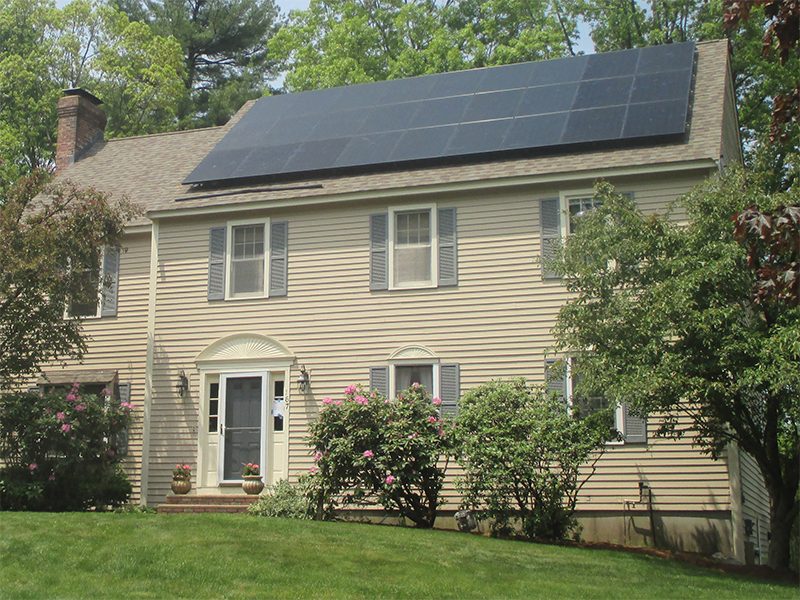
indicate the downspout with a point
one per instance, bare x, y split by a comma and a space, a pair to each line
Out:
148, 377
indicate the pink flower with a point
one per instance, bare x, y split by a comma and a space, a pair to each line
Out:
187, 467
361, 400
387, 401
71, 397
314, 470
350, 389
432, 419
337, 402
389, 479
317, 456
66, 427
441, 431
415, 385
60, 416
32, 467
437, 401
80, 407
412, 436
368, 454
178, 467
255, 467
327, 401
52, 477
126, 405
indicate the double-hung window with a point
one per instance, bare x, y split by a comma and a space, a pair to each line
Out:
248, 260
412, 242
577, 206
86, 300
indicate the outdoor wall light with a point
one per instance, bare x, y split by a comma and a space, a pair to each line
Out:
303, 379
183, 383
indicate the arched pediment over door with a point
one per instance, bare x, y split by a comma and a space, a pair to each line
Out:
245, 349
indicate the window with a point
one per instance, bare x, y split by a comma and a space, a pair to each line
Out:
278, 405
86, 301
588, 403
407, 375
413, 247
579, 206
213, 407
247, 260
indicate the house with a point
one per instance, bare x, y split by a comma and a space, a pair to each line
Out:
388, 233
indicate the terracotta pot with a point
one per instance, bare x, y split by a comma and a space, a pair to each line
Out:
252, 484
181, 486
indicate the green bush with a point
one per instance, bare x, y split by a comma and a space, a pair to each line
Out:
283, 500
59, 451
521, 452
370, 450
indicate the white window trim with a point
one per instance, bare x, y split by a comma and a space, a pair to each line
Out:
100, 280
407, 362
619, 423
415, 285
229, 258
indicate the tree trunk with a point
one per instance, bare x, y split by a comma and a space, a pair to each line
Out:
783, 512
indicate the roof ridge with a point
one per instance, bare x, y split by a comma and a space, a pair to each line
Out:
165, 133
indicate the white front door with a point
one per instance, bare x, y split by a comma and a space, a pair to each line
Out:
242, 419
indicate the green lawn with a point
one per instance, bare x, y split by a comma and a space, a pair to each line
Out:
237, 556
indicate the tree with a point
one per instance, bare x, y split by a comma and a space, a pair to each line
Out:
45, 249
522, 453
44, 49
664, 318
343, 42
224, 48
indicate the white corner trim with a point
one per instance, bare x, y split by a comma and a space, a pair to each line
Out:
148, 370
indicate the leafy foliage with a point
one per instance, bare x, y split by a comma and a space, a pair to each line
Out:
664, 318
772, 240
283, 500
37, 243
522, 455
339, 43
44, 49
371, 450
224, 51
58, 451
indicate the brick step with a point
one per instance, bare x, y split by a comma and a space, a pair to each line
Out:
173, 509
184, 499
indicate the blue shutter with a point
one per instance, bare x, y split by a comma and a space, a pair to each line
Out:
555, 378
550, 227
216, 263
449, 389
634, 427
124, 392
448, 247
379, 380
110, 290
379, 256
278, 258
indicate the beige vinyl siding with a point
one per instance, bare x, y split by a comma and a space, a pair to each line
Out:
120, 343
496, 323
755, 503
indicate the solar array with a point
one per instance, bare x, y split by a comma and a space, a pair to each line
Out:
623, 95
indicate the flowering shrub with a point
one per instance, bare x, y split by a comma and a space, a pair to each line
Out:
59, 451
182, 472
283, 500
371, 450
522, 453
250, 469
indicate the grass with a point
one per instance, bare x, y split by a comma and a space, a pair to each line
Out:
80, 555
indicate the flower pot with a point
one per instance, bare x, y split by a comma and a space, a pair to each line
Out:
252, 484
181, 486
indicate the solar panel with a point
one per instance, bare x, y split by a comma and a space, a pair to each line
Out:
602, 98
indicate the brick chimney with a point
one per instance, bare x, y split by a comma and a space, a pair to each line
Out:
81, 123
